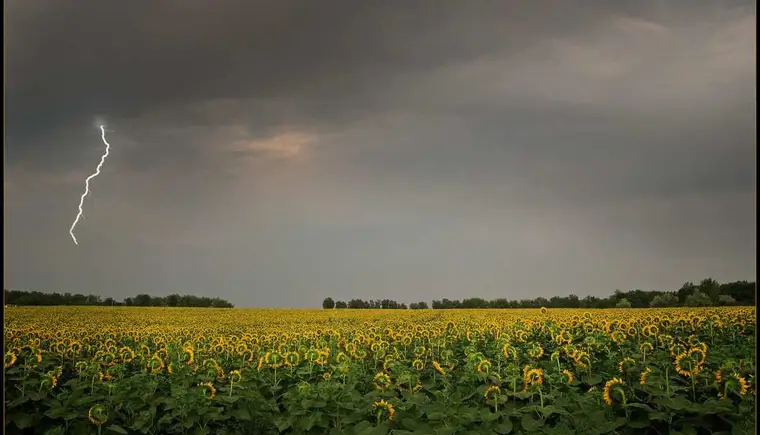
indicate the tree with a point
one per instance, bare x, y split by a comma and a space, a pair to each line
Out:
142, 300
172, 300
726, 300
685, 290
742, 291
711, 288
341, 304
19, 297
623, 303
664, 300
328, 304
697, 299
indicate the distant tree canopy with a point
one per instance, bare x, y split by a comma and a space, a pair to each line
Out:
707, 293
384, 304
21, 297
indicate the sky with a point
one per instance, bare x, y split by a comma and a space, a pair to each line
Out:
273, 153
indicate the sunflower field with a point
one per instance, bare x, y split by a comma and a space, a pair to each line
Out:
127, 370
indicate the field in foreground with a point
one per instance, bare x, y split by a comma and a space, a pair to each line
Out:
122, 370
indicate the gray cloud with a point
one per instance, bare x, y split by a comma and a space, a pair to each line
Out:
278, 152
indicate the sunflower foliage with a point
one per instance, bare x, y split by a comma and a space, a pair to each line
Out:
128, 370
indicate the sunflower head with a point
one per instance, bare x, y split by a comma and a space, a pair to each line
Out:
568, 376
385, 410
492, 392
646, 348
292, 359
688, 363
235, 377
535, 351
208, 387
97, 415
644, 375
625, 365
618, 336
10, 359
484, 366
533, 377
418, 364
382, 381
612, 386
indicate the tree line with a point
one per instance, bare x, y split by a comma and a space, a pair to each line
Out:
22, 297
707, 293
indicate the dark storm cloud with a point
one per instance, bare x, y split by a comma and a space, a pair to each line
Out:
74, 59
406, 149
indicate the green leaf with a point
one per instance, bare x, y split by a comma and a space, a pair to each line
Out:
639, 406
638, 424
241, 414
504, 427
58, 430
529, 423
363, 428
283, 424
549, 410
117, 429
22, 419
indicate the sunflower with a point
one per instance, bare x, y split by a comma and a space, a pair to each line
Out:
742, 383
292, 359
484, 366
644, 375
418, 364
275, 360
618, 336
509, 351
97, 414
581, 359
384, 409
536, 351
10, 359
208, 386
156, 364
569, 375
50, 379
190, 355
492, 392
382, 381
235, 377
564, 337
127, 354
622, 365
686, 365
532, 377
162, 352
700, 353
646, 348
438, 368
609, 387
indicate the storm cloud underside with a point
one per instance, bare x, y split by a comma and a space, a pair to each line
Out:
274, 153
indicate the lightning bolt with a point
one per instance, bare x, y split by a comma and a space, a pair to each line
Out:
87, 184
